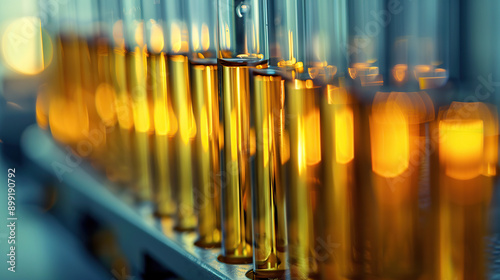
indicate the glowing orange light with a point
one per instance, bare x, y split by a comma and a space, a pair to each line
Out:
461, 147
104, 102
399, 72
68, 120
390, 138
285, 147
469, 114
312, 137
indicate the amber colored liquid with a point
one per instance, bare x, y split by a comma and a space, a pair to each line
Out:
236, 192
178, 67
269, 214
302, 178
104, 96
205, 90
339, 236
124, 128
463, 205
165, 124
143, 121
68, 109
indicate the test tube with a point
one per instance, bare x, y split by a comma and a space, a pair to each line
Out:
302, 156
467, 145
418, 43
396, 158
68, 110
366, 42
105, 95
121, 136
136, 77
269, 232
205, 91
242, 44
165, 121
176, 48
268, 191
315, 226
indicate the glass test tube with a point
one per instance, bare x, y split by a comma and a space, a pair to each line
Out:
176, 47
205, 92
269, 231
467, 145
68, 111
242, 44
418, 41
396, 152
136, 77
165, 121
365, 45
315, 223
49, 28
301, 162
105, 95
112, 22
96, 75
268, 191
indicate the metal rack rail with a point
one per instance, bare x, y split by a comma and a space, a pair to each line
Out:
141, 236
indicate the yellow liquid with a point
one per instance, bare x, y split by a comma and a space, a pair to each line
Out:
143, 122
68, 109
185, 218
165, 124
339, 205
269, 213
396, 248
236, 192
104, 97
123, 132
464, 198
302, 179
206, 110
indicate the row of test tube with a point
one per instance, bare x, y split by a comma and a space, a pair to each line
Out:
316, 139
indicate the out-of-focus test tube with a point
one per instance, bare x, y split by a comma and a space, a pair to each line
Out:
396, 152
142, 105
68, 111
365, 46
302, 167
176, 47
468, 150
242, 44
165, 121
314, 223
340, 197
418, 43
121, 136
93, 84
105, 96
205, 92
